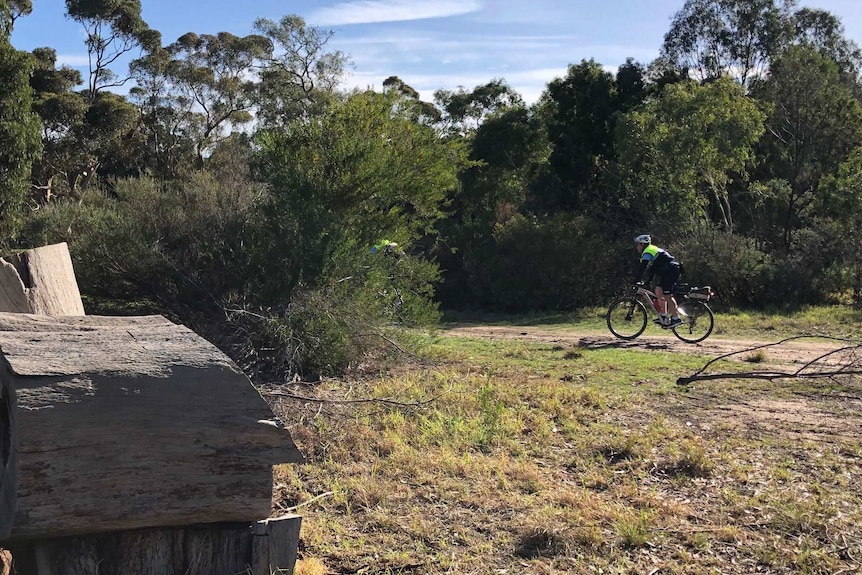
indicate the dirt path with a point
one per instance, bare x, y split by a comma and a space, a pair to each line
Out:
794, 353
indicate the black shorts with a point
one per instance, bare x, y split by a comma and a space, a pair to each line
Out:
667, 280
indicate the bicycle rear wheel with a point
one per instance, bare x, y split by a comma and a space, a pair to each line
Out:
627, 318
697, 322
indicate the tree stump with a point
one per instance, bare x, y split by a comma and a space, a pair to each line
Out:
40, 281
132, 422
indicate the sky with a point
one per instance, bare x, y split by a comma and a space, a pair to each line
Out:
430, 44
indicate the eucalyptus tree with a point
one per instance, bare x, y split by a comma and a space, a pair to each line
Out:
813, 124
825, 33
681, 151
213, 78
170, 122
464, 110
79, 131
61, 110
10, 11
840, 200
426, 112
81, 127
737, 38
581, 111
492, 120
19, 126
300, 74
114, 29
740, 38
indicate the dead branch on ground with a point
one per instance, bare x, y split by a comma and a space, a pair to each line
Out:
840, 362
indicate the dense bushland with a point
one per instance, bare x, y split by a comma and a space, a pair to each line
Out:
236, 189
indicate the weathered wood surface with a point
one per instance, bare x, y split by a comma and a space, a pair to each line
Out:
125, 423
275, 544
8, 453
264, 548
40, 281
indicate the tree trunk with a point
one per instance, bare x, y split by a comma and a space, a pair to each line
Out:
127, 423
40, 281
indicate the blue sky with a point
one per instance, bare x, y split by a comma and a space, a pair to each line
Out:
430, 44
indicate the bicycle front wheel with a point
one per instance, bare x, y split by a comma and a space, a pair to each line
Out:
627, 318
697, 322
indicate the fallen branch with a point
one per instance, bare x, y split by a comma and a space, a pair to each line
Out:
810, 370
768, 376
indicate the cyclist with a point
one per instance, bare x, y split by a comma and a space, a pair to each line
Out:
392, 253
387, 247
659, 263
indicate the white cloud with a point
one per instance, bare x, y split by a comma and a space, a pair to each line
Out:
371, 11
528, 83
73, 60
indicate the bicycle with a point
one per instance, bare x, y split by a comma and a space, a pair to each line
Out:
627, 316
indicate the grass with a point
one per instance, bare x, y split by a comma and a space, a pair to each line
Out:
527, 457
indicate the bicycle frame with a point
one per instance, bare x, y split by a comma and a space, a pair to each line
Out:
647, 297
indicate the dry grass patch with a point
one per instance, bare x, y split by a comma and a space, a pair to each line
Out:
496, 464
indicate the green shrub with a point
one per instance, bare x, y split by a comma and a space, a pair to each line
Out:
738, 271
557, 263
194, 251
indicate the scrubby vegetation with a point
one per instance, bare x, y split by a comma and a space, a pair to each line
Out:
235, 188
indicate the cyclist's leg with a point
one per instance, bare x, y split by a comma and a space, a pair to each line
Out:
668, 284
662, 300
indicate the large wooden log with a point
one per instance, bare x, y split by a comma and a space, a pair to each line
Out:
40, 281
263, 548
125, 423
8, 453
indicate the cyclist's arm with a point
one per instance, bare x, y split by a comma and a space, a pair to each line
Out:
642, 267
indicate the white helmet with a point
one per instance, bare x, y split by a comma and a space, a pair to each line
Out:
643, 239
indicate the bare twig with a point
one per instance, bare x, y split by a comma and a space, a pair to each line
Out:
381, 400
305, 503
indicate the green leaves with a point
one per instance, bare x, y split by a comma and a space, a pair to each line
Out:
362, 171
736, 38
683, 149
814, 123
300, 74
19, 136
113, 28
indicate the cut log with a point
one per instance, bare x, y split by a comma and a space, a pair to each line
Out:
40, 281
125, 423
8, 452
199, 550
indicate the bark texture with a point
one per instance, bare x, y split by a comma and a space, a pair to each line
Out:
262, 548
